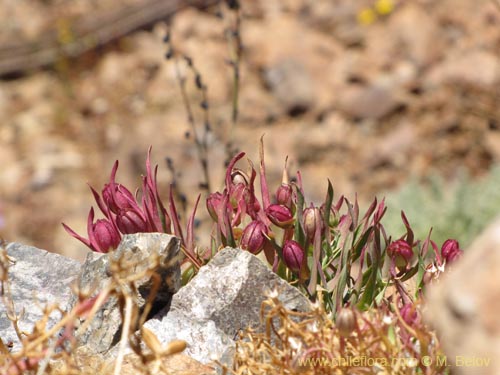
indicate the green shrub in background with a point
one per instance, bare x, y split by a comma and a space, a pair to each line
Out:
459, 210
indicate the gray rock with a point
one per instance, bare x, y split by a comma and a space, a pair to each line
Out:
224, 298
37, 278
464, 306
105, 328
291, 84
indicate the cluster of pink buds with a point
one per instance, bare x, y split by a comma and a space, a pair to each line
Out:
237, 206
449, 253
124, 212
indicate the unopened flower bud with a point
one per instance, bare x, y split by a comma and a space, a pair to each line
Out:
105, 235
254, 237
284, 195
279, 215
450, 251
409, 314
293, 255
400, 252
214, 200
345, 321
117, 197
129, 222
454, 256
310, 217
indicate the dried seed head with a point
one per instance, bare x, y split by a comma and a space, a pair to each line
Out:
174, 347
151, 340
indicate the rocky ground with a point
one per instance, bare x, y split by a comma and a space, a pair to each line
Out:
366, 104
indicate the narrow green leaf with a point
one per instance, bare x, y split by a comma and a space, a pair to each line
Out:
299, 233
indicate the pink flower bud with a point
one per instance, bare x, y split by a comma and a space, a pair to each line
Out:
400, 252
310, 217
117, 197
254, 237
279, 215
450, 251
293, 255
284, 195
129, 222
409, 314
454, 256
105, 235
214, 201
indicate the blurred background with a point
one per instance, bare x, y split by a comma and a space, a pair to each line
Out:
387, 98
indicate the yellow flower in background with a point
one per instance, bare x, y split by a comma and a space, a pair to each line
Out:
384, 7
367, 16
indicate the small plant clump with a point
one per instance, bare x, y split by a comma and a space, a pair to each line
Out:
357, 273
127, 213
329, 247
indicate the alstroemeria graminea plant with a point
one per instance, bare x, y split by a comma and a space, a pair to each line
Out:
127, 213
329, 246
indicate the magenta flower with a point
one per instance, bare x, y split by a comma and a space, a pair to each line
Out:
450, 251
293, 255
279, 215
116, 196
126, 214
131, 221
284, 195
214, 202
409, 314
400, 252
254, 237
103, 234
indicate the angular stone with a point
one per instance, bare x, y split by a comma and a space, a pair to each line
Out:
36, 278
105, 328
464, 306
224, 298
